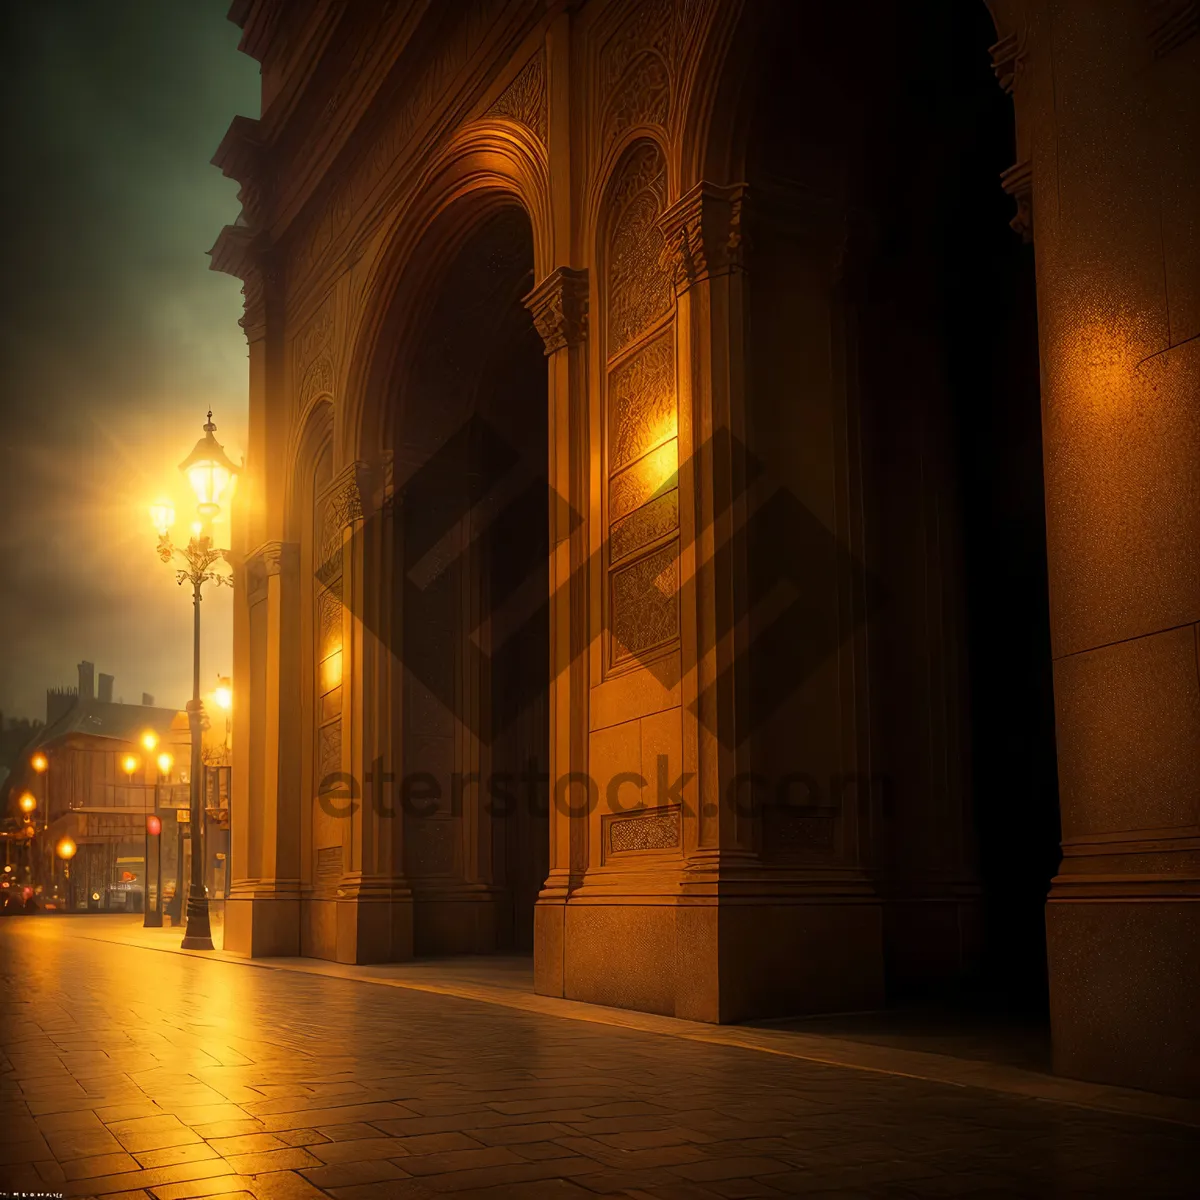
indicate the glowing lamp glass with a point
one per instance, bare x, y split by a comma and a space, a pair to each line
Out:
149, 739
223, 695
65, 849
165, 763
27, 802
39, 762
162, 516
153, 826
209, 471
129, 764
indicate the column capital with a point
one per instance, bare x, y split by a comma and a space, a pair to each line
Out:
271, 558
704, 233
559, 305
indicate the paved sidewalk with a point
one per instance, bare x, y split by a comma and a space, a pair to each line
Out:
131, 1072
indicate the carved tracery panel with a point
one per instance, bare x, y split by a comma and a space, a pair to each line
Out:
641, 414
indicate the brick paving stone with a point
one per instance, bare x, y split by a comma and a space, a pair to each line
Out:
314, 1087
101, 1164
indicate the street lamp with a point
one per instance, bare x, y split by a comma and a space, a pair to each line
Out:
39, 762
210, 472
66, 851
28, 803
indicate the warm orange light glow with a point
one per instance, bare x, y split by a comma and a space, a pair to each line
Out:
65, 849
28, 802
162, 516
129, 764
209, 471
149, 740
39, 762
165, 763
223, 696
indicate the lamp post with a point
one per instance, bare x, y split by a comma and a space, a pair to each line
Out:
154, 920
209, 471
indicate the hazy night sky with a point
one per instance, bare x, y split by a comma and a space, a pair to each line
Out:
116, 336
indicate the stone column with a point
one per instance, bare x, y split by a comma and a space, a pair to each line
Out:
559, 307
262, 914
1108, 116
263, 911
374, 904
751, 937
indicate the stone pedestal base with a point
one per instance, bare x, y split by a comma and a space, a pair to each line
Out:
358, 929
1124, 981
713, 960
263, 926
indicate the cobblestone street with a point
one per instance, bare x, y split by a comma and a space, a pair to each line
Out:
132, 1072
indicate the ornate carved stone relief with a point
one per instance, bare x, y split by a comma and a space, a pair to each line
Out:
645, 604
703, 233
559, 306
640, 63
654, 829
469, 26
642, 412
639, 289
524, 100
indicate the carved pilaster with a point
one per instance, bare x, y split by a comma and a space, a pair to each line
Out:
1017, 182
704, 233
559, 305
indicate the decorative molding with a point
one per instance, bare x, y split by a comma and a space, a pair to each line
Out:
341, 504
638, 288
241, 252
649, 829
271, 558
524, 100
1009, 56
1017, 182
559, 305
240, 157
318, 380
467, 30
703, 233
1172, 22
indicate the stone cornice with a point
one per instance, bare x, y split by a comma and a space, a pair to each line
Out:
241, 252
559, 305
703, 233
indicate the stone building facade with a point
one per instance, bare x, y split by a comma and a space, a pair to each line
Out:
603, 420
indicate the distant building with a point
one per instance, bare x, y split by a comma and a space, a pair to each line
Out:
88, 793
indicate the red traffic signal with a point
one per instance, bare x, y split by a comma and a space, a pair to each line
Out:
153, 825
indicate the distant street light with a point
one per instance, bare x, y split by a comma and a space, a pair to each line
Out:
28, 803
210, 472
149, 741
39, 762
224, 693
66, 851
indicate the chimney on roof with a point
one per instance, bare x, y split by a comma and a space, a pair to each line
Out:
87, 681
104, 693
147, 700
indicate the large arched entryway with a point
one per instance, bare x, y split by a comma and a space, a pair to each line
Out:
893, 423
467, 407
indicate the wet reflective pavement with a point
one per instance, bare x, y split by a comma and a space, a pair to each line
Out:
126, 1071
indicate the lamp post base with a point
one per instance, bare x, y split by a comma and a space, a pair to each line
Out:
197, 935
152, 920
